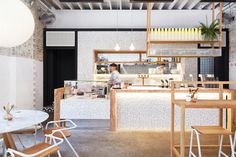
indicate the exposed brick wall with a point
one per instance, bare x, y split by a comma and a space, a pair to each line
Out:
33, 48
232, 53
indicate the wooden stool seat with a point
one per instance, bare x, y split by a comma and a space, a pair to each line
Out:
212, 130
57, 134
39, 147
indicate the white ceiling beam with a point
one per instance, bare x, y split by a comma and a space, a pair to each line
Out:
193, 4
130, 6
80, 6
210, 6
172, 4
183, 3
69, 6
161, 6
100, 6
141, 6
151, 5
44, 6
120, 5
202, 5
109, 1
90, 6
58, 3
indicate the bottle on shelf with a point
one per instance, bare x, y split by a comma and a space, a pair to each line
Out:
178, 34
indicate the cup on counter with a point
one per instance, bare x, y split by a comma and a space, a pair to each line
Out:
188, 98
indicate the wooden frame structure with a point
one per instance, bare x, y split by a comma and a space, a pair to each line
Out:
220, 104
140, 52
114, 101
58, 95
149, 42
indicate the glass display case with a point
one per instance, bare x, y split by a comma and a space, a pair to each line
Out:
85, 88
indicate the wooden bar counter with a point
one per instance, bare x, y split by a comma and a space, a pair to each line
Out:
149, 109
225, 100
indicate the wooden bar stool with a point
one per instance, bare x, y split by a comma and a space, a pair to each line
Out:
210, 130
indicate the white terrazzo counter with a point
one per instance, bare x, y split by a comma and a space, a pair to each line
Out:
80, 107
151, 110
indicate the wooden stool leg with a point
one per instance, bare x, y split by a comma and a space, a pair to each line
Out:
9, 142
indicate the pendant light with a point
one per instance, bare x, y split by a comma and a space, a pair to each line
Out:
131, 47
117, 46
16, 24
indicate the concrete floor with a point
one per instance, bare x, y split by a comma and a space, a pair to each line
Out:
92, 138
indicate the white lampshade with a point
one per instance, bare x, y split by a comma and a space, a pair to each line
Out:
131, 47
117, 47
16, 23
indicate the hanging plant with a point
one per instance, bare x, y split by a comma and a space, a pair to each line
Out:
210, 33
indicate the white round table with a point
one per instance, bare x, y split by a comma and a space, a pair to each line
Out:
21, 119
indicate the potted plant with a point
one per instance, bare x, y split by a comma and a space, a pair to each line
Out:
210, 32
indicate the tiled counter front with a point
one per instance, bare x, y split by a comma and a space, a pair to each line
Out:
85, 108
150, 110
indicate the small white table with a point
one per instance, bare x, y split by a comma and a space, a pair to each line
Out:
21, 119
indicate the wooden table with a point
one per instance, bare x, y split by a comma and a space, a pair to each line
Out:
203, 104
21, 119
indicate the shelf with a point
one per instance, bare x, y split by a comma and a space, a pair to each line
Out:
97, 51
136, 75
137, 62
181, 42
182, 52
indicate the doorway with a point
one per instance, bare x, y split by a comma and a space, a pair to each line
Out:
60, 64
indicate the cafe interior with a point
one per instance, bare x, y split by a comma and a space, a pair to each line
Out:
117, 78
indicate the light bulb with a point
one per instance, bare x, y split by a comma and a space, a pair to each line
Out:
16, 24
117, 47
131, 47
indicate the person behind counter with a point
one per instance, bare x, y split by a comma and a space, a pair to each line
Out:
114, 78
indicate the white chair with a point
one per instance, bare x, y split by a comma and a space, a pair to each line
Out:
61, 131
29, 130
3, 146
39, 150
210, 130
